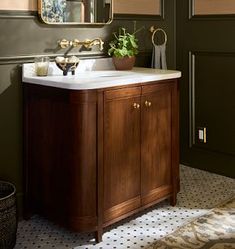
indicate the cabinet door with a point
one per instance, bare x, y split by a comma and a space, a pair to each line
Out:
156, 136
121, 152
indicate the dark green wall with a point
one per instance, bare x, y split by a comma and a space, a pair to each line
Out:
23, 37
206, 56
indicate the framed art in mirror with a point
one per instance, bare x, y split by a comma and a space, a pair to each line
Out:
76, 11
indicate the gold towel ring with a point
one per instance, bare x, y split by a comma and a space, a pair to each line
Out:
155, 31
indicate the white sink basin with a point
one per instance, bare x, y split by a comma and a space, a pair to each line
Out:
98, 74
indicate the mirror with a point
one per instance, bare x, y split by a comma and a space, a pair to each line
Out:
76, 11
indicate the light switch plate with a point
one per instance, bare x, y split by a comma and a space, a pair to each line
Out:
202, 135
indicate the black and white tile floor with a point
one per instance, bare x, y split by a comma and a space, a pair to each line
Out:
200, 191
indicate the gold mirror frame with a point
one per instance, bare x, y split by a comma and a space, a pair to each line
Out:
75, 23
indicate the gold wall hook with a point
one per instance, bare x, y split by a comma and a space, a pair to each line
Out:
151, 29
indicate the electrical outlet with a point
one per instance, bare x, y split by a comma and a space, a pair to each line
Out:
202, 135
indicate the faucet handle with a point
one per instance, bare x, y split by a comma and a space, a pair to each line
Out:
99, 42
101, 45
87, 43
64, 43
75, 43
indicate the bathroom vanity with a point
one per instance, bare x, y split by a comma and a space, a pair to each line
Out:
101, 145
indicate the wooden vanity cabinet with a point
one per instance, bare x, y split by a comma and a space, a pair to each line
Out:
141, 150
159, 143
94, 157
122, 155
60, 155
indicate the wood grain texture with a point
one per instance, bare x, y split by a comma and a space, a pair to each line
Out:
215, 7
148, 7
92, 158
18, 5
175, 160
122, 150
59, 165
125, 207
100, 165
156, 194
155, 140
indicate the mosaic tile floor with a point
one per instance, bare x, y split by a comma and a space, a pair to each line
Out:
200, 191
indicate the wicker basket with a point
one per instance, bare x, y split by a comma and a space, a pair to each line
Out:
8, 219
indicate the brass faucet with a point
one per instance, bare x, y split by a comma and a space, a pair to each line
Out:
89, 43
64, 43
97, 41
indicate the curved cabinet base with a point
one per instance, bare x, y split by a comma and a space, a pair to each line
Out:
94, 157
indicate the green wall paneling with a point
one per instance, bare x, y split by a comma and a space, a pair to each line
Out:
205, 55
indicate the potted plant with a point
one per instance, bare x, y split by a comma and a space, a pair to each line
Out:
123, 49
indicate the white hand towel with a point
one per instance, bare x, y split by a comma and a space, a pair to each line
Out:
163, 56
159, 57
156, 57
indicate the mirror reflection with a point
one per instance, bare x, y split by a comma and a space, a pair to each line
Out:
75, 11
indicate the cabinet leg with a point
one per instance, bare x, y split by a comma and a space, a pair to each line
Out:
173, 200
98, 235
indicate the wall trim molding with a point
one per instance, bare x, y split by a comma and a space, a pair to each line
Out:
30, 58
142, 17
191, 9
192, 97
5, 60
29, 14
22, 14
193, 16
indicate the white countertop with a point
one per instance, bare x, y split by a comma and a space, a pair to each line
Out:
95, 74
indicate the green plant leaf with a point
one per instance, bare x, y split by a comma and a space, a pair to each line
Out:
124, 44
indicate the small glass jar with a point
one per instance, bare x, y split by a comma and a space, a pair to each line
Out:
41, 65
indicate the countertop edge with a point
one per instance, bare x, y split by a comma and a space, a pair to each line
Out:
99, 83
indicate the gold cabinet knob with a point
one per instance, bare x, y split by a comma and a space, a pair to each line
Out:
136, 106
147, 103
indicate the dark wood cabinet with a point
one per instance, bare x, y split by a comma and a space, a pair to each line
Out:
93, 157
156, 142
122, 152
